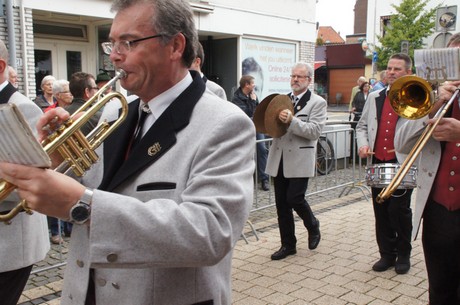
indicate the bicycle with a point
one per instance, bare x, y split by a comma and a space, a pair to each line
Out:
325, 156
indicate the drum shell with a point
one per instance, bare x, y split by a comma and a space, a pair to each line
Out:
380, 175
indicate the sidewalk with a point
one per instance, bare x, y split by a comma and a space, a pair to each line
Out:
337, 272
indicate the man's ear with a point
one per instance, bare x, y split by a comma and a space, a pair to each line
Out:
3, 66
178, 45
86, 95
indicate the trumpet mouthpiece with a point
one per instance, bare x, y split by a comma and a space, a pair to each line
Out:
121, 73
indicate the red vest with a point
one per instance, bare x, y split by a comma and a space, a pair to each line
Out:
446, 186
384, 147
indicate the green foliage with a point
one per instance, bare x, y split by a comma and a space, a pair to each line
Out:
412, 22
319, 41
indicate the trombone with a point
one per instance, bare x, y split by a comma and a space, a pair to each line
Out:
76, 149
412, 98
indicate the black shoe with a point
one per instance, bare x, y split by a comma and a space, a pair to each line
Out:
265, 185
402, 265
314, 238
383, 264
283, 252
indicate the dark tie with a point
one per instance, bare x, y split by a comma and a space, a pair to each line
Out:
137, 135
145, 110
294, 99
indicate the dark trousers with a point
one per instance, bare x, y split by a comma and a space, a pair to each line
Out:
262, 154
441, 245
12, 284
290, 195
393, 224
53, 225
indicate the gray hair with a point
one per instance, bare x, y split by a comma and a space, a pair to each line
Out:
170, 18
47, 78
305, 66
58, 85
4, 55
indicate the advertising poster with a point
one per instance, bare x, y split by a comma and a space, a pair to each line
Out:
270, 63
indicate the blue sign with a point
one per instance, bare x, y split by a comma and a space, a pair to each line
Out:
374, 56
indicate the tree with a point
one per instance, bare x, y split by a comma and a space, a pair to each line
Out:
411, 23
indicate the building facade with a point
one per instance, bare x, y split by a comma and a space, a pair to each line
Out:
61, 37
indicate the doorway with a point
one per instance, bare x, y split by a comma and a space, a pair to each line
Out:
58, 60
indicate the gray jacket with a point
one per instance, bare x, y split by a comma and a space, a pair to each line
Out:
298, 146
164, 222
25, 241
427, 163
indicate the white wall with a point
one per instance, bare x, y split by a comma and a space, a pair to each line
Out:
283, 19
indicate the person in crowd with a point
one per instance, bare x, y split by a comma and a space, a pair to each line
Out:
251, 67
102, 79
156, 220
291, 161
438, 192
24, 241
382, 83
82, 86
13, 76
355, 90
360, 100
63, 97
61, 93
245, 98
46, 99
375, 134
197, 65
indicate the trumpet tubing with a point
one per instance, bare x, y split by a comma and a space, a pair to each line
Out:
77, 151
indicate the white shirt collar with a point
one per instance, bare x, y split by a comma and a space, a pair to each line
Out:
159, 103
3, 85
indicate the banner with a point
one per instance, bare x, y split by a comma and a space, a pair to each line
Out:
270, 63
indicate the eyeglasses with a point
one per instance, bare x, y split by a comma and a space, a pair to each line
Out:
299, 76
123, 46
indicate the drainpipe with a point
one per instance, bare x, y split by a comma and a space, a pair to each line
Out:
25, 62
11, 36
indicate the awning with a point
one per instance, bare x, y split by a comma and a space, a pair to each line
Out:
319, 64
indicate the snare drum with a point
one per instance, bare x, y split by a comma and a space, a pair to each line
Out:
380, 175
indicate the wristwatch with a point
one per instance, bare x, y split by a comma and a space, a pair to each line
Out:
81, 211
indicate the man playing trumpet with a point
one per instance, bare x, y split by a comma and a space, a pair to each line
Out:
438, 192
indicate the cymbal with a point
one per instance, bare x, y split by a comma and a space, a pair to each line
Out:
274, 127
259, 113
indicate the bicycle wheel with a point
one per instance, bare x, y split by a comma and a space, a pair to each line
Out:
324, 156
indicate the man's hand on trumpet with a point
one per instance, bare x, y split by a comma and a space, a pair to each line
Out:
285, 116
33, 184
445, 92
448, 129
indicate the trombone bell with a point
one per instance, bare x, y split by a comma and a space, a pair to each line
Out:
411, 97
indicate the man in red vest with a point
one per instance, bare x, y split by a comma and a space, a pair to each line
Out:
438, 192
375, 134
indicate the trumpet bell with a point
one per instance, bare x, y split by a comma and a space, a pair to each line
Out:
411, 97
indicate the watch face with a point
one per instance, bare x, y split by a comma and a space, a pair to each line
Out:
80, 213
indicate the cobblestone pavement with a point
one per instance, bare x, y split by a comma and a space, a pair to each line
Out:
337, 272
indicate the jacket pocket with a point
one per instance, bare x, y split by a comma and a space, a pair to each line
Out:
155, 186
304, 147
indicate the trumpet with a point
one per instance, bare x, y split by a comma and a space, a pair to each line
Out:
412, 97
77, 150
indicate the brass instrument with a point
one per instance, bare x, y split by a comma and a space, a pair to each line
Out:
412, 98
76, 149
